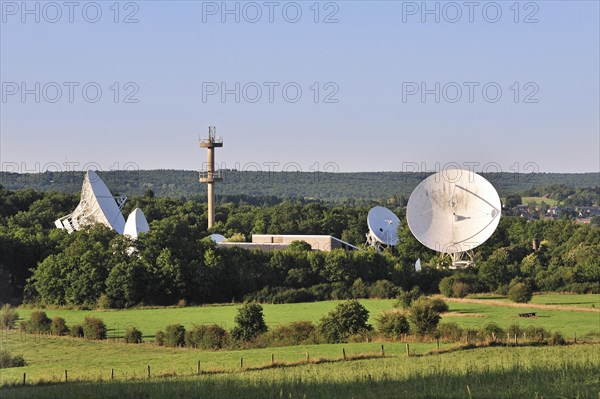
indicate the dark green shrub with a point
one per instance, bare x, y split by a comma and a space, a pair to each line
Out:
133, 335
406, 298
445, 286
212, 337
249, 322
103, 302
159, 338
557, 339
492, 331
76, 331
392, 324
423, 316
455, 286
296, 295
38, 323
502, 290
8, 360
321, 292
296, 333
339, 291
8, 317
534, 333
359, 289
461, 289
439, 305
348, 318
520, 293
449, 332
383, 289
59, 327
174, 335
514, 329
94, 328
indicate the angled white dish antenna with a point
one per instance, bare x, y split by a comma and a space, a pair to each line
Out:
452, 212
97, 205
217, 238
383, 228
136, 224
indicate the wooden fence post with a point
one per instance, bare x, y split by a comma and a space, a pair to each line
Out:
344, 353
198, 368
575, 338
382, 351
307, 358
272, 359
66, 377
148, 371
437, 342
241, 362
407, 350
24, 378
112, 374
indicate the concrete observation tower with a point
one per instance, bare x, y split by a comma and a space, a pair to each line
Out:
210, 175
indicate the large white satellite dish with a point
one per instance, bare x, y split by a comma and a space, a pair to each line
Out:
136, 224
383, 228
217, 238
452, 212
97, 205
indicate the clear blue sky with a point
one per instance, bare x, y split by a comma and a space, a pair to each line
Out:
373, 58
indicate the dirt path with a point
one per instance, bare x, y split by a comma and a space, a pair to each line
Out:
521, 305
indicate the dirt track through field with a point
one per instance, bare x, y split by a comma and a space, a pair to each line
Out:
521, 305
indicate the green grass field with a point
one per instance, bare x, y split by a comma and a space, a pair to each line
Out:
48, 357
522, 372
574, 300
538, 200
488, 372
466, 315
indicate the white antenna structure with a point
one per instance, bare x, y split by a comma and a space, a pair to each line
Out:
452, 212
97, 205
383, 228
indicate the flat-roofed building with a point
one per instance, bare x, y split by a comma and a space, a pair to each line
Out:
272, 242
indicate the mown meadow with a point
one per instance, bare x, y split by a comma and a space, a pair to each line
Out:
466, 315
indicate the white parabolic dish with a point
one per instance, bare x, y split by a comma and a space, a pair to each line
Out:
217, 238
107, 212
136, 224
383, 225
453, 211
97, 205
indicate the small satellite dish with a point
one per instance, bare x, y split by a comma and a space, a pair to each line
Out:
217, 238
383, 228
136, 224
452, 212
418, 265
97, 205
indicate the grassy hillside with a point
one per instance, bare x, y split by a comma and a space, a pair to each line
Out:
527, 372
325, 186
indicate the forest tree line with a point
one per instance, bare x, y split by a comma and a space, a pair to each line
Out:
256, 183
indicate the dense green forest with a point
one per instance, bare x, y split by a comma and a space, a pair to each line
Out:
320, 185
176, 261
